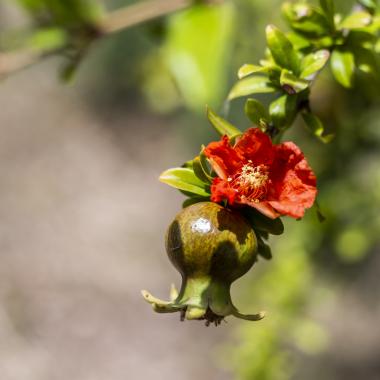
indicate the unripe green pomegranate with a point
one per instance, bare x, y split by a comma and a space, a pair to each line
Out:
211, 247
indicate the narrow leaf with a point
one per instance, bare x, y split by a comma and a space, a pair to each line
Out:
343, 66
282, 49
223, 127
47, 39
299, 42
313, 63
184, 179
291, 84
262, 223
251, 85
283, 110
356, 20
369, 4
249, 69
320, 216
315, 125
188, 164
366, 60
263, 249
329, 11
306, 19
256, 112
200, 172
205, 163
69, 69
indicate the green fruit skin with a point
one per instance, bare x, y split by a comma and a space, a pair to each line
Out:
211, 247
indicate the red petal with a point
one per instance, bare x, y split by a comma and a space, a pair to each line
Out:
223, 157
263, 207
293, 182
221, 190
256, 146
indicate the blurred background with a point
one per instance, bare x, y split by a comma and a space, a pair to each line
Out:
83, 215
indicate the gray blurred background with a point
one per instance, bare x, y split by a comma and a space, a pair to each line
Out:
83, 215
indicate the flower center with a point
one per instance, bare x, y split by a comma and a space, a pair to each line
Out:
251, 182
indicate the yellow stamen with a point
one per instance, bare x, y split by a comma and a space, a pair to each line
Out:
254, 176
251, 182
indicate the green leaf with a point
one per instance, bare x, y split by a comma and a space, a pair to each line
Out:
369, 4
282, 49
47, 39
361, 38
262, 223
315, 125
299, 42
328, 42
313, 63
291, 84
320, 216
188, 164
356, 20
205, 163
69, 70
329, 11
256, 112
200, 171
343, 66
68, 13
366, 61
249, 69
198, 68
251, 85
306, 19
283, 110
263, 249
223, 127
184, 179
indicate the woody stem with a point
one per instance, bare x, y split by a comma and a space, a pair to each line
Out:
140, 12
113, 22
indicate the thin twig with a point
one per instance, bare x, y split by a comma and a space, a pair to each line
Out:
11, 62
114, 21
144, 11
140, 12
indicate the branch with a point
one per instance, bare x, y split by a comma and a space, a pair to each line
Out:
11, 62
140, 12
115, 21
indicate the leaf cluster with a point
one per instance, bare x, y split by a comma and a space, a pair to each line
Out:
292, 62
290, 67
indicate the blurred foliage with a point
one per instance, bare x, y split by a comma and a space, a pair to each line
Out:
348, 171
66, 28
67, 14
187, 60
313, 255
293, 61
290, 68
198, 41
261, 350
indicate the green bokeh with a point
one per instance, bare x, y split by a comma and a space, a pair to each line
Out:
190, 59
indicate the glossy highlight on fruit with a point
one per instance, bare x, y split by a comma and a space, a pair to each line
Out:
211, 247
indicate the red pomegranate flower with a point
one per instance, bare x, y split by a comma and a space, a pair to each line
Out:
274, 179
